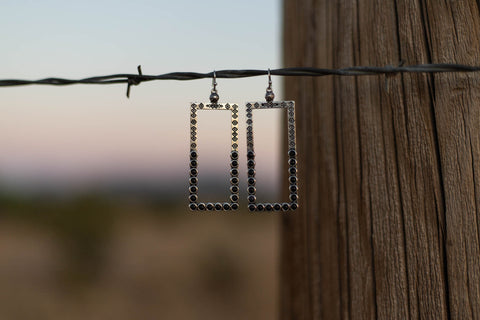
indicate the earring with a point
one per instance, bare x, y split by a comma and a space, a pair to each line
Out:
193, 182
292, 154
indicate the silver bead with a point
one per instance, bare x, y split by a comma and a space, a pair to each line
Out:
214, 97
269, 96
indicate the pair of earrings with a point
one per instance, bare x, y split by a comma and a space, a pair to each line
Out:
234, 158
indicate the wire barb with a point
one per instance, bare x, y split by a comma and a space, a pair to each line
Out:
135, 81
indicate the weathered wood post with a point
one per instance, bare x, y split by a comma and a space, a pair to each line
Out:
390, 166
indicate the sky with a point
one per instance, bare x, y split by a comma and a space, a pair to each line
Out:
84, 135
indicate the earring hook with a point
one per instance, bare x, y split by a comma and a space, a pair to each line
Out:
214, 81
214, 95
269, 79
269, 95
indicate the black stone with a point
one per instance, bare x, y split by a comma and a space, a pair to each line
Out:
268, 207
234, 163
251, 181
193, 197
277, 207
251, 190
234, 189
193, 180
210, 206
234, 172
292, 179
234, 206
293, 197
292, 153
260, 207
193, 163
234, 155
293, 188
292, 170
293, 206
226, 206
201, 206
234, 180
193, 189
252, 207
292, 162
251, 172
285, 206
218, 206
193, 206
193, 172
252, 198
251, 163
193, 155
234, 198
250, 154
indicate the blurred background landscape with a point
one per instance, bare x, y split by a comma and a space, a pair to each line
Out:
93, 258
93, 186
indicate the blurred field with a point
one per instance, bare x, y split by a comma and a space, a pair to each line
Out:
91, 258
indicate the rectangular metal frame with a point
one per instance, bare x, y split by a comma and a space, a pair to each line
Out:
292, 158
193, 181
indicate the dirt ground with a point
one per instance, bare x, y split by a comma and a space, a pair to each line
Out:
148, 266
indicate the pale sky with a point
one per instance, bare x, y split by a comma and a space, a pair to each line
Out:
84, 134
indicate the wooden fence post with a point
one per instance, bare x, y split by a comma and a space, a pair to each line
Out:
389, 167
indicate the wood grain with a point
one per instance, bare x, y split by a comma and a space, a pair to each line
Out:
389, 166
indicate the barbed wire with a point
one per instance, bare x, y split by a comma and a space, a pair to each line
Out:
136, 79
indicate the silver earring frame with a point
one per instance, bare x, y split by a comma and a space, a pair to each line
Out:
292, 154
193, 180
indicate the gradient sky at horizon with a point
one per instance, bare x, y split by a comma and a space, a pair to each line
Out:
83, 135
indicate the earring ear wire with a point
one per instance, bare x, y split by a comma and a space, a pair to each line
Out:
214, 94
269, 95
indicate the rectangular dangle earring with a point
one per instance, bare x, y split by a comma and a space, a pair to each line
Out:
292, 154
193, 182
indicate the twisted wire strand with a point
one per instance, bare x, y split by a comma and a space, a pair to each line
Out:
135, 79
